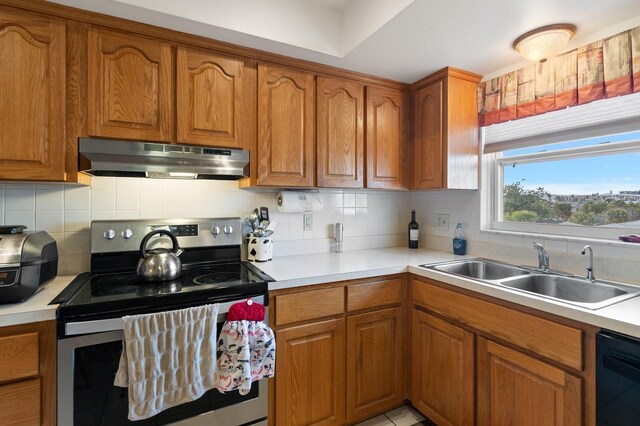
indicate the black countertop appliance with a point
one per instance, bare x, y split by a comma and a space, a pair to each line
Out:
27, 260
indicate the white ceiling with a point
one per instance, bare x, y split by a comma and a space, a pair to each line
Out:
403, 40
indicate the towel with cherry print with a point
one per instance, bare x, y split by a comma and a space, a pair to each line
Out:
246, 348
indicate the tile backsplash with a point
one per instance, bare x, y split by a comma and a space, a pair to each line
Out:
371, 219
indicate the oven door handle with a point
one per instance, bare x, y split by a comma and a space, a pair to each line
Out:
113, 324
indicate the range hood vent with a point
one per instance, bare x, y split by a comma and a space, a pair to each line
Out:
101, 157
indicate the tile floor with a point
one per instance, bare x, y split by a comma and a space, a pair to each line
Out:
403, 416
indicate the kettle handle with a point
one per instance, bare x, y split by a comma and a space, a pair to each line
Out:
143, 245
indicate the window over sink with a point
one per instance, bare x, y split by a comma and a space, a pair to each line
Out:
573, 172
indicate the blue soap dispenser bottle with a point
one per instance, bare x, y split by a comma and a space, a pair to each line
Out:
459, 241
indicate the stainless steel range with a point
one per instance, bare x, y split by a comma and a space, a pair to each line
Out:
91, 308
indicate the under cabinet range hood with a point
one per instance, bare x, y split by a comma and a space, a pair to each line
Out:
102, 157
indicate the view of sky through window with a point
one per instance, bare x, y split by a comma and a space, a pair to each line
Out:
597, 190
598, 174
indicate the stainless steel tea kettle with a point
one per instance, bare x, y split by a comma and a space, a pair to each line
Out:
159, 264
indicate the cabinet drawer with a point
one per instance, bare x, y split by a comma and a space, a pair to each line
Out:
554, 341
374, 294
20, 403
309, 305
18, 356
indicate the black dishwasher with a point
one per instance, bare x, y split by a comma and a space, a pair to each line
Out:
617, 379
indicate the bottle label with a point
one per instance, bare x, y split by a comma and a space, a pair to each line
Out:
413, 234
459, 246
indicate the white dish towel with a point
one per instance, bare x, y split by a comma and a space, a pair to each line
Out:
168, 358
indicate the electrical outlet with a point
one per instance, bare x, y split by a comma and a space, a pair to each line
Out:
307, 222
443, 222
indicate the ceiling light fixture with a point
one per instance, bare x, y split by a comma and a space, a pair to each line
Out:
545, 42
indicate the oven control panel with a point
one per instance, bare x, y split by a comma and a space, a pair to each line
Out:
190, 230
126, 235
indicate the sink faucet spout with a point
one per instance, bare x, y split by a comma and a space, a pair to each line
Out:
543, 257
590, 274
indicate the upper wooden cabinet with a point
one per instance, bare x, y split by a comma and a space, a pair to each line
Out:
340, 133
210, 99
130, 86
32, 97
445, 143
286, 131
386, 121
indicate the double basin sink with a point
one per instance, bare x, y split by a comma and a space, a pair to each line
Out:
557, 286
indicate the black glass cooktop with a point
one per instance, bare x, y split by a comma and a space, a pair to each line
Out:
100, 294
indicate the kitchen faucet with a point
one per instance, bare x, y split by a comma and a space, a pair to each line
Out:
590, 275
543, 257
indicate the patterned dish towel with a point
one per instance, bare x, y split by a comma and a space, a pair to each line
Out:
246, 349
168, 358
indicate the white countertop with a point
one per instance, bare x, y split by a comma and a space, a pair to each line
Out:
294, 271
36, 308
309, 269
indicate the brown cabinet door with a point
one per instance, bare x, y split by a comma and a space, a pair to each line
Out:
286, 130
442, 370
32, 97
385, 138
340, 133
428, 143
310, 377
374, 363
516, 389
210, 99
21, 403
129, 86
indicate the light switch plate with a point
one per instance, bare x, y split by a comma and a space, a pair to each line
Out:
307, 222
443, 222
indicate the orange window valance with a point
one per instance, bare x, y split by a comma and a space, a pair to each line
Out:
603, 69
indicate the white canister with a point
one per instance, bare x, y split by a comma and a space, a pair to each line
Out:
260, 249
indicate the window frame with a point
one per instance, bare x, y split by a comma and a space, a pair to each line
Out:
493, 180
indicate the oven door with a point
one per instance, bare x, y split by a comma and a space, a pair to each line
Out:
87, 365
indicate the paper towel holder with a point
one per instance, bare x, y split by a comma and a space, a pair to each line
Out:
311, 191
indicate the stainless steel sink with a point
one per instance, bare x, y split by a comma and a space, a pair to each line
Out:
480, 269
576, 291
553, 285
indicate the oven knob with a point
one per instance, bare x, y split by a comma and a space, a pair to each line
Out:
109, 234
127, 233
228, 229
215, 230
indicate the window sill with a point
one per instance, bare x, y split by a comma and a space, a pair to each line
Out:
565, 238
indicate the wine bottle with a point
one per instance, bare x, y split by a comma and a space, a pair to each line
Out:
414, 231
459, 241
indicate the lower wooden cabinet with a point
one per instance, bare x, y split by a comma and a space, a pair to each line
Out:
310, 371
517, 389
341, 352
485, 362
442, 370
28, 374
374, 363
